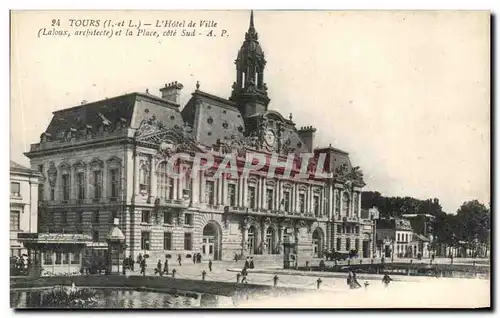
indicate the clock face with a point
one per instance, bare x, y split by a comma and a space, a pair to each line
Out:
269, 137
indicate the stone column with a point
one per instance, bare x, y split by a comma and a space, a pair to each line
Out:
195, 186
153, 179
244, 234
279, 241
201, 179
297, 239
330, 203
245, 192
265, 248
179, 188
359, 205
219, 191
176, 185
341, 194
258, 193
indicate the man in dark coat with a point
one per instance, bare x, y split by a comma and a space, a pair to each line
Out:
143, 267
210, 265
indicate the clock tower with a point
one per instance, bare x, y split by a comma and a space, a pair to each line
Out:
249, 90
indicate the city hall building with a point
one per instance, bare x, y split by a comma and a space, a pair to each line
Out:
108, 159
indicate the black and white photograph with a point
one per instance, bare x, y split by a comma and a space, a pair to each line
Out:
238, 159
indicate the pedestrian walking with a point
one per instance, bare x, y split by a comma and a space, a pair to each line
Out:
235, 257
210, 265
251, 265
247, 263
179, 259
386, 280
131, 262
194, 258
139, 259
143, 267
158, 268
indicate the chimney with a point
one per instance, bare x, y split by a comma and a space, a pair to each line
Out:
306, 134
172, 92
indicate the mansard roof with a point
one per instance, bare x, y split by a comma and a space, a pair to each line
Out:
213, 118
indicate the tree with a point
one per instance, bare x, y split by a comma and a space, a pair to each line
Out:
475, 219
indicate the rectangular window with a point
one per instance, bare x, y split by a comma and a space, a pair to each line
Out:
15, 189
316, 205
302, 200
40, 168
97, 184
95, 218
231, 194
339, 243
47, 258
145, 243
113, 174
146, 217
251, 197
40, 192
269, 199
14, 220
167, 241
399, 237
167, 217
58, 258
286, 201
66, 258
79, 217
348, 244
357, 229
65, 187
64, 217
187, 241
80, 184
339, 228
171, 188
75, 258
188, 219
52, 194
95, 236
209, 192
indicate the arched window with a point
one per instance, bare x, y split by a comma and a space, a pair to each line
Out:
345, 204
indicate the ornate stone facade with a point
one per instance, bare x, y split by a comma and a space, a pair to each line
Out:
108, 159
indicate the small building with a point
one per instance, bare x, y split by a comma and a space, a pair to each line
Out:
420, 245
54, 253
393, 237
23, 204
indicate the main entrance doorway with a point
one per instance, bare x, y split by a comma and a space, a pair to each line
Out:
252, 240
317, 240
210, 248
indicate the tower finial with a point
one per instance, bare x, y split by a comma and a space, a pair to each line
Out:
251, 33
197, 85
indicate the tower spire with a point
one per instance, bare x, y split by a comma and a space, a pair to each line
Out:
250, 90
251, 33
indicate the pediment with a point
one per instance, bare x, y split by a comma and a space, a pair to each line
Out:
169, 141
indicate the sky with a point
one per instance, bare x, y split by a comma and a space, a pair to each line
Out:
407, 94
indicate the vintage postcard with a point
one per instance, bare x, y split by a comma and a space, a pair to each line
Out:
250, 159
